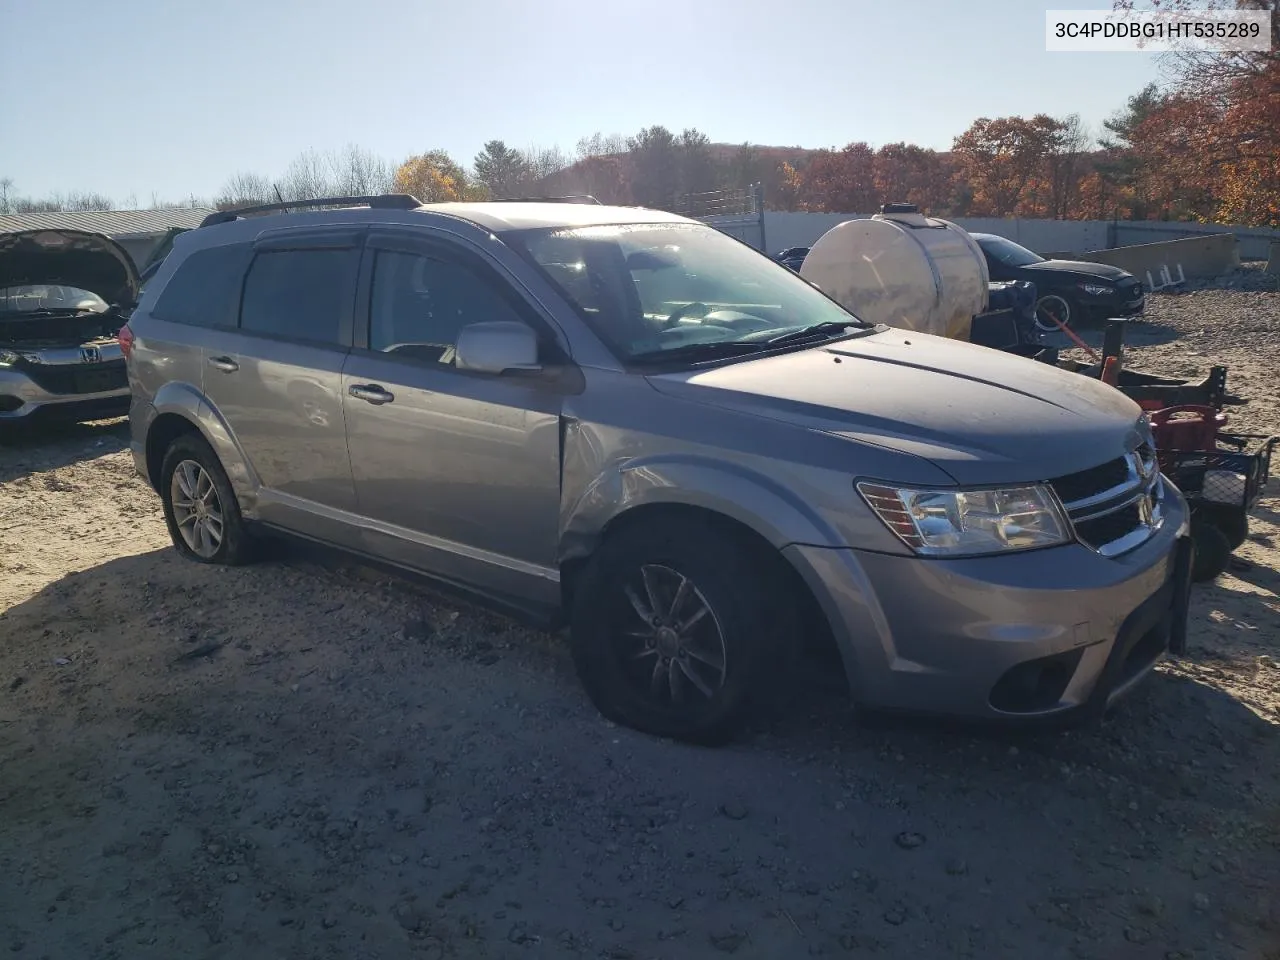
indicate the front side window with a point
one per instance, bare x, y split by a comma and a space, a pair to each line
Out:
419, 304
300, 294
1009, 253
205, 289
650, 288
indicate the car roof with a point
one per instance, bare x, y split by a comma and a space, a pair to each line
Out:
526, 215
494, 216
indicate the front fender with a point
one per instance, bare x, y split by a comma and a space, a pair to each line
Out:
732, 489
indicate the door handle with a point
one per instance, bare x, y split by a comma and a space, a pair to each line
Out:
225, 364
370, 393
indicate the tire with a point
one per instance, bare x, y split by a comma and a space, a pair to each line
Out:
191, 463
1057, 305
1212, 549
690, 675
1232, 521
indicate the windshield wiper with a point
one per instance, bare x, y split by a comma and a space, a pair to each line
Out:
818, 331
703, 350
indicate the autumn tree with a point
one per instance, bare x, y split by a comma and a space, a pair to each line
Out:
432, 177
907, 173
1218, 156
1004, 161
840, 181
505, 171
1120, 168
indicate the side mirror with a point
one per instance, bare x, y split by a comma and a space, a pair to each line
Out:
498, 346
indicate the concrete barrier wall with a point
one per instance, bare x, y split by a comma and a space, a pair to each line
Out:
1045, 237
1193, 258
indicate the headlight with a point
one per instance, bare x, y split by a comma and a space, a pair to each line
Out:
8, 358
1097, 289
941, 523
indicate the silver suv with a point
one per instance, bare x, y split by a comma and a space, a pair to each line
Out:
631, 423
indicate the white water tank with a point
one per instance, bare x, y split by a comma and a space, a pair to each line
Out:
902, 269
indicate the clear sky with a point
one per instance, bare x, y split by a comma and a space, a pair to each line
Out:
172, 96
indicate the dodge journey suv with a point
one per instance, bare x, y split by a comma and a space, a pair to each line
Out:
630, 423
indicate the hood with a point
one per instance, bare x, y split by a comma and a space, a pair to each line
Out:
72, 258
983, 416
1103, 271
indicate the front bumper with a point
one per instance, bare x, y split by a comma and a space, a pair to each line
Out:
23, 399
1027, 635
1118, 306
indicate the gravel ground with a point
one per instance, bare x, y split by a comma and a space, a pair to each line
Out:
307, 759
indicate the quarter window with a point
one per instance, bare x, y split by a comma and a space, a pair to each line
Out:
205, 289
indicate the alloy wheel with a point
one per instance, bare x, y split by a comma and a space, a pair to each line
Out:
670, 641
197, 509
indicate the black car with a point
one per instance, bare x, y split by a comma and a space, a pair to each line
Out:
793, 257
1068, 290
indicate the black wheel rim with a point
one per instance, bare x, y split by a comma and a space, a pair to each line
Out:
668, 640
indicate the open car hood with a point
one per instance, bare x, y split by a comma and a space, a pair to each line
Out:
71, 258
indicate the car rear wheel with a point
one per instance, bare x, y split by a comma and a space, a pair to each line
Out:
200, 508
676, 631
1050, 310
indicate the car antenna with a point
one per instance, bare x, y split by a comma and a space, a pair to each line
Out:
276, 188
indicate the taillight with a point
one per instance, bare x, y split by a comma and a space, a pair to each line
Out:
125, 339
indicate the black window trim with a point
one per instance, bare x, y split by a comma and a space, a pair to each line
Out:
452, 252
297, 241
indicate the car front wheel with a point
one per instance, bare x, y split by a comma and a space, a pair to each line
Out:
678, 632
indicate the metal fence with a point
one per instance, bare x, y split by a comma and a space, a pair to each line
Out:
739, 213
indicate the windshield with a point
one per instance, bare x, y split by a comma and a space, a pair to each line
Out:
1008, 252
647, 289
30, 298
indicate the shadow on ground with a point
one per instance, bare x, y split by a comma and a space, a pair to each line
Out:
288, 760
32, 449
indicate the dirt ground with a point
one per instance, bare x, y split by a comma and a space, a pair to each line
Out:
305, 759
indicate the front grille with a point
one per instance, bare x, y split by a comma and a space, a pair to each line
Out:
1098, 532
78, 378
1088, 483
1113, 505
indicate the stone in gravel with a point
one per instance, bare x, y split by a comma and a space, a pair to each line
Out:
233, 877
957, 867
329, 922
1151, 906
733, 810
396, 859
895, 917
908, 840
418, 630
408, 916
1136, 935
1200, 901
728, 941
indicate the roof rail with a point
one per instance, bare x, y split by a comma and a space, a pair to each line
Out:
386, 201
576, 198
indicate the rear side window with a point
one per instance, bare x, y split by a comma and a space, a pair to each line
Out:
300, 294
205, 289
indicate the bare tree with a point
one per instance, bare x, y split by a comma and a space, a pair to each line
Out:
1068, 146
307, 177
356, 172
244, 189
6, 184
601, 145
544, 161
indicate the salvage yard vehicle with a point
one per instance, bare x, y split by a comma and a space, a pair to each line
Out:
1070, 291
64, 295
628, 422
